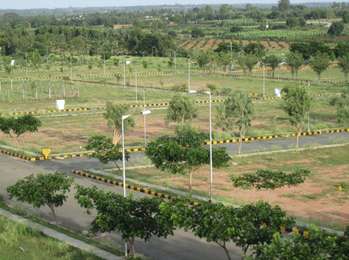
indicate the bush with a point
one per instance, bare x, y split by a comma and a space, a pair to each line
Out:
268, 179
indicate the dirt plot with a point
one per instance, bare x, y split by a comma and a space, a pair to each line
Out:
211, 44
319, 199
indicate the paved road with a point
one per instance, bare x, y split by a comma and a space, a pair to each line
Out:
251, 147
181, 246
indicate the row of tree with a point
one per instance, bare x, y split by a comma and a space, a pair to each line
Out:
258, 229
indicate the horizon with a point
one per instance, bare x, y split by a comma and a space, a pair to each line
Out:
40, 4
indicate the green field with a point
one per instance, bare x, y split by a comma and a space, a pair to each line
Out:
19, 242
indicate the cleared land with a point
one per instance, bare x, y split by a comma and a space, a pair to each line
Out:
323, 198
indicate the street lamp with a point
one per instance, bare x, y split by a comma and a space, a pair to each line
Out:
123, 118
211, 159
211, 139
145, 113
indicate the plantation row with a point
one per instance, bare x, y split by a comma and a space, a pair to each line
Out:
211, 44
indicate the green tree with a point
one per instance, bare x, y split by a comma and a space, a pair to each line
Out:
181, 109
211, 221
273, 62
297, 103
183, 153
18, 126
42, 190
342, 105
197, 33
336, 29
113, 115
319, 63
268, 179
203, 59
236, 113
294, 60
104, 150
312, 244
248, 226
284, 5
132, 218
343, 64
250, 61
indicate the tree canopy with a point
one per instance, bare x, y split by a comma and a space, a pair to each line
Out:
42, 190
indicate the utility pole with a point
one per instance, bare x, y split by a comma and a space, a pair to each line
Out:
211, 139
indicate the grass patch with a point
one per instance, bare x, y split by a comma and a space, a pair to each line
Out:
68, 232
20, 242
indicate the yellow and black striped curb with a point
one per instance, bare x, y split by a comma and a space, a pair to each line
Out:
137, 188
269, 137
255, 96
64, 156
84, 109
295, 230
215, 142
20, 155
50, 111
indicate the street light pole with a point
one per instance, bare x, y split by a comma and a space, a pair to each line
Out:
124, 161
211, 141
211, 157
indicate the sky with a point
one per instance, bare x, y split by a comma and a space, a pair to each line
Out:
29, 4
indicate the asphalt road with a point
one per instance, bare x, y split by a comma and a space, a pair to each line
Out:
251, 147
182, 246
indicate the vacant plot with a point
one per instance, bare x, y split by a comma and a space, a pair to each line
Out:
20, 242
323, 198
70, 133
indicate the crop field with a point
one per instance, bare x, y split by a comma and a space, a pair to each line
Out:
211, 44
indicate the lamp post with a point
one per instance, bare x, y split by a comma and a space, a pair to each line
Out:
211, 157
145, 112
211, 139
123, 118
